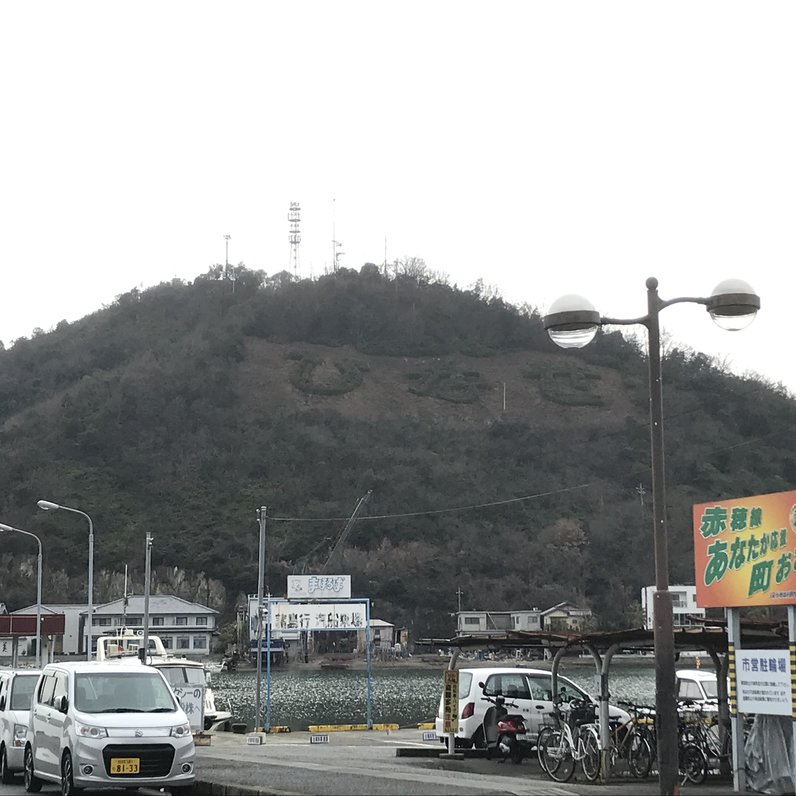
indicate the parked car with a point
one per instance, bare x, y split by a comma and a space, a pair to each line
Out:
16, 691
530, 689
100, 725
697, 687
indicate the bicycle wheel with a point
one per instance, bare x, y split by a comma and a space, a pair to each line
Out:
540, 742
557, 756
590, 762
693, 765
639, 757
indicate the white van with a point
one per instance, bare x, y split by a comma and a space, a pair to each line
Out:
100, 725
16, 692
529, 689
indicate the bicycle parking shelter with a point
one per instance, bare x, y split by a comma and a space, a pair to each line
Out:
712, 636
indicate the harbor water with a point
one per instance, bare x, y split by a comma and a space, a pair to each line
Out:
407, 697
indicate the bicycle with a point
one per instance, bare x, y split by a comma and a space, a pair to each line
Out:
629, 742
575, 739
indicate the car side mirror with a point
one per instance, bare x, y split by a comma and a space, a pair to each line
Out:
481, 686
63, 705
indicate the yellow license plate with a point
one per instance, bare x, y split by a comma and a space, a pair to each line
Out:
125, 765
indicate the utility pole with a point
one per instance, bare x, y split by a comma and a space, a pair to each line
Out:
459, 593
261, 514
147, 586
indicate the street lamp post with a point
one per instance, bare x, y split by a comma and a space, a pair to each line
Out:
9, 529
47, 505
572, 322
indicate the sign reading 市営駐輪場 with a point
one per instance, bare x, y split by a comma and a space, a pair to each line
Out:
744, 551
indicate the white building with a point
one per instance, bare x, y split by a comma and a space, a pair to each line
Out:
473, 623
74, 617
683, 605
185, 628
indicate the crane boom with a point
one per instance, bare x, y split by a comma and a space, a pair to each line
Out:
334, 555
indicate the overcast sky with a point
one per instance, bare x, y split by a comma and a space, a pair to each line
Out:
545, 147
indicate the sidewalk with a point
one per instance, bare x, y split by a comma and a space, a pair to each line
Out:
399, 762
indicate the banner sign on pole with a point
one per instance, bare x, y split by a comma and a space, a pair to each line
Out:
744, 551
764, 682
319, 587
450, 702
318, 616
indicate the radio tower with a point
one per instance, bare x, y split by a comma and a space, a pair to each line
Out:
294, 217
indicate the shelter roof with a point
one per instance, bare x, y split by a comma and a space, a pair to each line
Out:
710, 635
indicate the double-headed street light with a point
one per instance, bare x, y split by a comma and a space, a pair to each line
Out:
572, 322
47, 505
9, 529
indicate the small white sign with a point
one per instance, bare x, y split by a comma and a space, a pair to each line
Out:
255, 740
192, 701
430, 735
764, 682
319, 739
319, 587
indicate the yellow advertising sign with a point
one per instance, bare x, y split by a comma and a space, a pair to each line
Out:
450, 702
744, 551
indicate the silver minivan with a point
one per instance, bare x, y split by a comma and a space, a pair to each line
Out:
16, 691
99, 725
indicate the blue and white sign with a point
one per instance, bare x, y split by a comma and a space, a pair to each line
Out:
319, 587
763, 682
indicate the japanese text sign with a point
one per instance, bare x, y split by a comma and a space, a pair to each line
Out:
450, 714
192, 701
764, 682
744, 551
319, 616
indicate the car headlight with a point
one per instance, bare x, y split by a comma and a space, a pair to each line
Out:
20, 733
181, 730
90, 731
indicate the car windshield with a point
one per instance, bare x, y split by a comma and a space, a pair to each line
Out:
22, 691
122, 692
180, 675
711, 688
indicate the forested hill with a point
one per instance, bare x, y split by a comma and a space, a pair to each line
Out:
498, 463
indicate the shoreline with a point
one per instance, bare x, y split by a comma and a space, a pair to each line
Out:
423, 662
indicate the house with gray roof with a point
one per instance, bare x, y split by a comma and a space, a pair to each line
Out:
185, 628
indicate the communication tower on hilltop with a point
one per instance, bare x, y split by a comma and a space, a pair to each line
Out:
294, 217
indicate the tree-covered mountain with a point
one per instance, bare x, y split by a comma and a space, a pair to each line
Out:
498, 463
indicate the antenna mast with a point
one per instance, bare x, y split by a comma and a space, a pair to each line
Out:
335, 243
294, 217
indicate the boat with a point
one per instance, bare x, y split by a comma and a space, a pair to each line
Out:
178, 670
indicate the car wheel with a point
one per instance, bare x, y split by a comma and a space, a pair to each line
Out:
67, 777
32, 782
6, 777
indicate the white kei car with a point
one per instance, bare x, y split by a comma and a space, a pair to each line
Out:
529, 689
16, 693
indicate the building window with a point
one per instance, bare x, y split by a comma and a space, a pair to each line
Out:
199, 643
180, 620
472, 620
183, 643
201, 620
104, 621
134, 621
167, 642
157, 621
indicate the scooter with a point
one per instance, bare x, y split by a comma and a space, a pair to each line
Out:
504, 732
